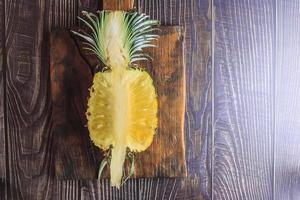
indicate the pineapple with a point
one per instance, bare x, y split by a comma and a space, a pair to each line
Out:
122, 107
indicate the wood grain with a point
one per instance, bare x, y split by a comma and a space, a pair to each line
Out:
134, 189
252, 106
71, 78
2, 94
166, 155
243, 99
62, 13
28, 117
287, 98
117, 5
195, 16
88, 5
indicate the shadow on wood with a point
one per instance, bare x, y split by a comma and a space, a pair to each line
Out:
74, 155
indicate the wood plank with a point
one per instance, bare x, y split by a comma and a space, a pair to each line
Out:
243, 101
195, 16
166, 155
117, 5
157, 188
2, 94
143, 188
28, 118
287, 122
198, 118
88, 5
3, 188
71, 78
61, 13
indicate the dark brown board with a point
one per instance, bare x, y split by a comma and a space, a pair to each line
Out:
27, 108
70, 80
166, 156
61, 13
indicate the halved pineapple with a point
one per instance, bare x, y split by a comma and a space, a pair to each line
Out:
122, 108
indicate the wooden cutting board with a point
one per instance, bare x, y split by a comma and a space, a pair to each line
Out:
75, 156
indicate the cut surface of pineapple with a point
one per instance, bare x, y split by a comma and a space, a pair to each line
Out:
122, 107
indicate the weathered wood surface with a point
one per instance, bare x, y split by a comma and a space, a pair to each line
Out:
28, 138
75, 156
63, 13
243, 103
118, 5
166, 155
287, 101
195, 16
89, 5
2, 95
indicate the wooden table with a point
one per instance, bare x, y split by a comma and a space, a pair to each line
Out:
242, 113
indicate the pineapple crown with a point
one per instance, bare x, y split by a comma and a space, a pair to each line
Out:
117, 38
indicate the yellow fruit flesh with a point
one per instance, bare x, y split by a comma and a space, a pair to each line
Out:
122, 112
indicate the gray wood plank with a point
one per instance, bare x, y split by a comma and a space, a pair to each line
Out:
142, 189
287, 118
3, 182
2, 95
62, 13
243, 116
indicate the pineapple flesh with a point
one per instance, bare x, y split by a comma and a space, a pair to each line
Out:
122, 107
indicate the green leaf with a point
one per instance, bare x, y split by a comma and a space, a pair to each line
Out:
136, 34
131, 170
104, 162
